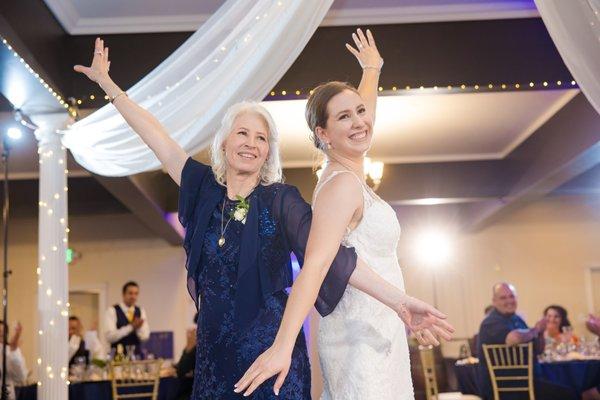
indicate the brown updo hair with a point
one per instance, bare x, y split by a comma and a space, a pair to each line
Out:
316, 107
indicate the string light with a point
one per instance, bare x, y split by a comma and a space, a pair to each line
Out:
30, 70
301, 93
53, 204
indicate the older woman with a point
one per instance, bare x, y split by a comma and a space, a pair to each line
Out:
241, 225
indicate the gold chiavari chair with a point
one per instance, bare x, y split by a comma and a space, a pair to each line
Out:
510, 368
431, 385
135, 379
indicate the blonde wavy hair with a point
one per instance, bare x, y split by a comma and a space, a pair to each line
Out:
271, 169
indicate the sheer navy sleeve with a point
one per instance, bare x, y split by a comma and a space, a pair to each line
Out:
295, 217
192, 176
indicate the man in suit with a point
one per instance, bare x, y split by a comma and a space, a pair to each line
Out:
126, 323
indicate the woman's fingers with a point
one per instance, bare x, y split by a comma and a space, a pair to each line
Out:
359, 45
444, 325
105, 57
371, 39
81, 68
441, 332
257, 382
248, 376
435, 312
430, 338
279, 381
420, 338
352, 50
362, 37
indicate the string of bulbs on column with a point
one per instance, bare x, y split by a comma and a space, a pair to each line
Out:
47, 207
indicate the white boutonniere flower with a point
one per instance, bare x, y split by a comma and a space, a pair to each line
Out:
240, 212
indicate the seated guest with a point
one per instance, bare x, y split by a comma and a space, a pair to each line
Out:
556, 319
16, 371
187, 363
126, 323
473, 341
83, 345
593, 325
76, 343
504, 326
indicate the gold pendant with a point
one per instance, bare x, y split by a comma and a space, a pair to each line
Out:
221, 241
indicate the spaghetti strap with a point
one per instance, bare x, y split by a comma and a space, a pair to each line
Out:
331, 176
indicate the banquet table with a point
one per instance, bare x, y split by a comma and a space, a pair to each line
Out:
101, 390
576, 374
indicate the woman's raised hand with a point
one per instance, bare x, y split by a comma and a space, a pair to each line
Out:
98, 71
366, 51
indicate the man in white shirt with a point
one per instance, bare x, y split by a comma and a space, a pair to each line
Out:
126, 323
15, 363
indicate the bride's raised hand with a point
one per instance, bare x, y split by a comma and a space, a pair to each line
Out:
98, 70
366, 50
425, 321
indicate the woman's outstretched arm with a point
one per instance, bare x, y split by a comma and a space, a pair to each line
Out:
150, 130
371, 62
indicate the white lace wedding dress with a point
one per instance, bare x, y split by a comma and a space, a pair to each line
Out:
362, 344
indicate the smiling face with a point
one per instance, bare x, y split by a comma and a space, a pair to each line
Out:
505, 299
553, 319
247, 145
349, 127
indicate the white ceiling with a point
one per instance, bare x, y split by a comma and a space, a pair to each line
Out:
433, 128
409, 128
117, 16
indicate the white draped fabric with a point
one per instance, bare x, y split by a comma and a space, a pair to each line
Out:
574, 26
240, 53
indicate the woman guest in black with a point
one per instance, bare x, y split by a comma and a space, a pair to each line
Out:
241, 225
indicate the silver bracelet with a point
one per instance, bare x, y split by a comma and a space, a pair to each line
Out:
372, 67
113, 98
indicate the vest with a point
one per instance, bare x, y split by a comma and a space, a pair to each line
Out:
132, 338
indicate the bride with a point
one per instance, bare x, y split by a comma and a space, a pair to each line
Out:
362, 343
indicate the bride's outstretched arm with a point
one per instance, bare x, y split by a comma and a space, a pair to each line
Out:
371, 62
338, 201
170, 154
332, 213
420, 317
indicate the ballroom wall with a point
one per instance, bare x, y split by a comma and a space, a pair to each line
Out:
543, 248
105, 266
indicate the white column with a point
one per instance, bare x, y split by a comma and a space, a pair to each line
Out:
53, 278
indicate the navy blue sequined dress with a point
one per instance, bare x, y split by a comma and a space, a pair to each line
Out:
224, 353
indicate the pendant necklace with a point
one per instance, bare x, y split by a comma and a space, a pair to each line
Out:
224, 225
